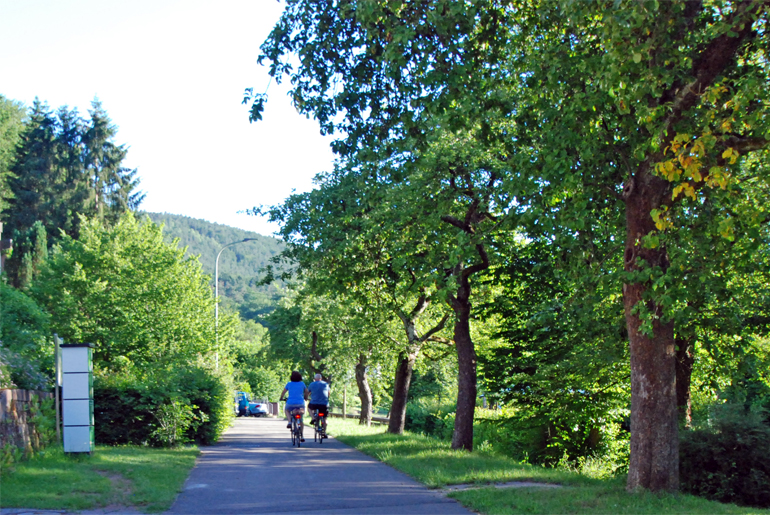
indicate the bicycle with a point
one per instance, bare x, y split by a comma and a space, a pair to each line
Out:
319, 429
296, 426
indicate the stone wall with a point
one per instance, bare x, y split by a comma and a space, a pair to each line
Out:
15, 418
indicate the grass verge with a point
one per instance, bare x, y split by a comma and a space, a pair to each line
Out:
144, 477
433, 463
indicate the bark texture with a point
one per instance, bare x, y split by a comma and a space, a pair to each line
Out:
654, 463
364, 391
685, 358
462, 437
401, 385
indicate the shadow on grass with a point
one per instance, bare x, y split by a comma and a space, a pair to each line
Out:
606, 499
435, 464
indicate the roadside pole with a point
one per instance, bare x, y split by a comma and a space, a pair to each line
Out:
57, 383
345, 401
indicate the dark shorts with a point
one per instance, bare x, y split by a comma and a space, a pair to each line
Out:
322, 408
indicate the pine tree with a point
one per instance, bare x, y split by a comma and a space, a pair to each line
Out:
11, 116
64, 167
72, 192
111, 184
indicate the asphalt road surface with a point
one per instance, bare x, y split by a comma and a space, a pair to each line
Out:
255, 469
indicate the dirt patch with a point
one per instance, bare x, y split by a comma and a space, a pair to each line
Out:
121, 488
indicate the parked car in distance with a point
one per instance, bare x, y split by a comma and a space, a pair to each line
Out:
245, 407
258, 409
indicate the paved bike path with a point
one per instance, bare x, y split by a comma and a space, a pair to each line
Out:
255, 469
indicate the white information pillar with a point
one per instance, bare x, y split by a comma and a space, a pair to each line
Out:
78, 397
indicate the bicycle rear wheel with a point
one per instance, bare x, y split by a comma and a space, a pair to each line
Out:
294, 440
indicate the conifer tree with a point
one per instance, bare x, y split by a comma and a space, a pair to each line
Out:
64, 167
11, 116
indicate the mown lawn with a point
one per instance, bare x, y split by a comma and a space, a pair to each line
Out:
144, 477
433, 463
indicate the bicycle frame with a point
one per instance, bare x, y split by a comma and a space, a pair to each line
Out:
318, 426
296, 426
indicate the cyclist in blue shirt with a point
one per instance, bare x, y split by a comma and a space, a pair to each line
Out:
319, 398
298, 393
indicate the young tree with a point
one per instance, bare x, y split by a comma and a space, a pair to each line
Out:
341, 243
136, 298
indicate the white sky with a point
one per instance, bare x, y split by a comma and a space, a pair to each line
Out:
171, 76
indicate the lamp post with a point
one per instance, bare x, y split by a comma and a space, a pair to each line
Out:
216, 293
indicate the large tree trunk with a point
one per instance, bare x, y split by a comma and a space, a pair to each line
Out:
401, 385
364, 392
462, 437
654, 463
685, 358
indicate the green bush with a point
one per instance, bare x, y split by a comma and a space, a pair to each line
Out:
26, 350
430, 418
163, 409
212, 393
727, 460
43, 421
492, 428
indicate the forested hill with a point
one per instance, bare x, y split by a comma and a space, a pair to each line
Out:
239, 265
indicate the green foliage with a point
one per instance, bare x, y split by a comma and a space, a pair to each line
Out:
43, 422
10, 454
173, 420
430, 418
11, 126
609, 132
559, 360
136, 298
148, 311
254, 371
265, 382
726, 460
65, 167
240, 266
26, 350
165, 408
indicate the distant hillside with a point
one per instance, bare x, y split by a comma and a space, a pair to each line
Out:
239, 265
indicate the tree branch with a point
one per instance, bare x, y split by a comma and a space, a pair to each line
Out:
743, 144
478, 267
441, 339
438, 327
454, 221
711, 62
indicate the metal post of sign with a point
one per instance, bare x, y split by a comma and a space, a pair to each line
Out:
57, 383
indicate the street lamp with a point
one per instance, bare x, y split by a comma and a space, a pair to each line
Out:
216, 292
